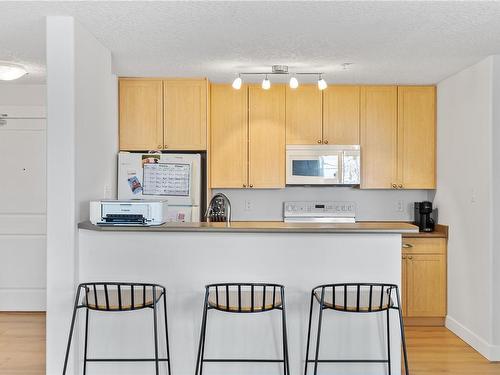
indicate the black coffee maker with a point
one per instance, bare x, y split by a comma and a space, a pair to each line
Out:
423, 211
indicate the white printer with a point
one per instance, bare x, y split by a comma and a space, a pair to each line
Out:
128, 212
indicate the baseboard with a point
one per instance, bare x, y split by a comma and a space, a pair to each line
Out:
490, 352
22, 299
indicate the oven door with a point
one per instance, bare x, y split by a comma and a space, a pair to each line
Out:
313, 167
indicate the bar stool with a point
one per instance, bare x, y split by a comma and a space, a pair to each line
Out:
119, 297
356, 298
243, 298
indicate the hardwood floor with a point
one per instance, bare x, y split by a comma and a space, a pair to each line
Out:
432, 350
22, 343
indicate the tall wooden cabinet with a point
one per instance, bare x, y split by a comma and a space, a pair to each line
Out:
160, 114
398, 137
417, 137
247, 137
228, 136
379, 121
266, 137
141, 114
424, 280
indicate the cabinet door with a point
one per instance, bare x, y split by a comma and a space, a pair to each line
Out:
378, 136
341, 115
228, 136
303, 115
185, 114
141, 115
426, 285
417, 137
266, 130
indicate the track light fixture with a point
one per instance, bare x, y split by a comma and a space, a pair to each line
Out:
281, 70
266, 83
237, 83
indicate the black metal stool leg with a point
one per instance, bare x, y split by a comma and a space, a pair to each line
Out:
319, 331
286, 364
86, 341
68, 347
309, 333
155, 327
403, 340
201, 346
166, 330
388, 343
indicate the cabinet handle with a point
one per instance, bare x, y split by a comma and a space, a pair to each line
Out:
159, 147
244, 185
410, 257
325, 142
400, 186
407, 245
319, 141
251, 185
404, 257
394, 186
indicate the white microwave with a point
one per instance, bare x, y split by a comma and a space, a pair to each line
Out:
323, 165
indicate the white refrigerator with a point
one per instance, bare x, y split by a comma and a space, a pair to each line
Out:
175, 178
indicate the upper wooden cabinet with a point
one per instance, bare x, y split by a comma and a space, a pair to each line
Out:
417, 137
379, 118
141, 114
163, 114
303, 115
185, 114
228, 136
341, 115
247, 140
266, 132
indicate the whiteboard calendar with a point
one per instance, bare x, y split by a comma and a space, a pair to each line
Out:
166, 179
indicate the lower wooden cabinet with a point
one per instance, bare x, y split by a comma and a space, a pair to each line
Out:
424, 280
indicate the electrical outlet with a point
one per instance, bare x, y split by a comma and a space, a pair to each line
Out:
248, 205
400, 206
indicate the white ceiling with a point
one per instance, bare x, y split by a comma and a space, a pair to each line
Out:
388, 42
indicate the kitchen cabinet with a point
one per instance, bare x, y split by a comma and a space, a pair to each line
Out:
247, 137
266, 137
378, 136
398, 137
185, 114
163, 114
424, 279
228, 136
304, 124
140, 114
341, 105
417, 137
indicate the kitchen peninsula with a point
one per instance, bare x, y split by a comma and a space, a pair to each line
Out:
186, 256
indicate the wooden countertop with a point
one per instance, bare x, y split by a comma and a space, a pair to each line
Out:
265, 226
441, 231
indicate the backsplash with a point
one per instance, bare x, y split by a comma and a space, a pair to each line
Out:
267, 204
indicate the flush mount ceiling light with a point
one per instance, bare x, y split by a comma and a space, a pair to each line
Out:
280, 70
10, 71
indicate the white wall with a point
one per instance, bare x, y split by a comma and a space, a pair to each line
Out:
267, 204
82, 146
465, 198
22, 198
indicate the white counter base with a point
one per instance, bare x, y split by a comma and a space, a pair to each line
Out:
185, 261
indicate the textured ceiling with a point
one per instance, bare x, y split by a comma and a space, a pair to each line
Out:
388, 42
